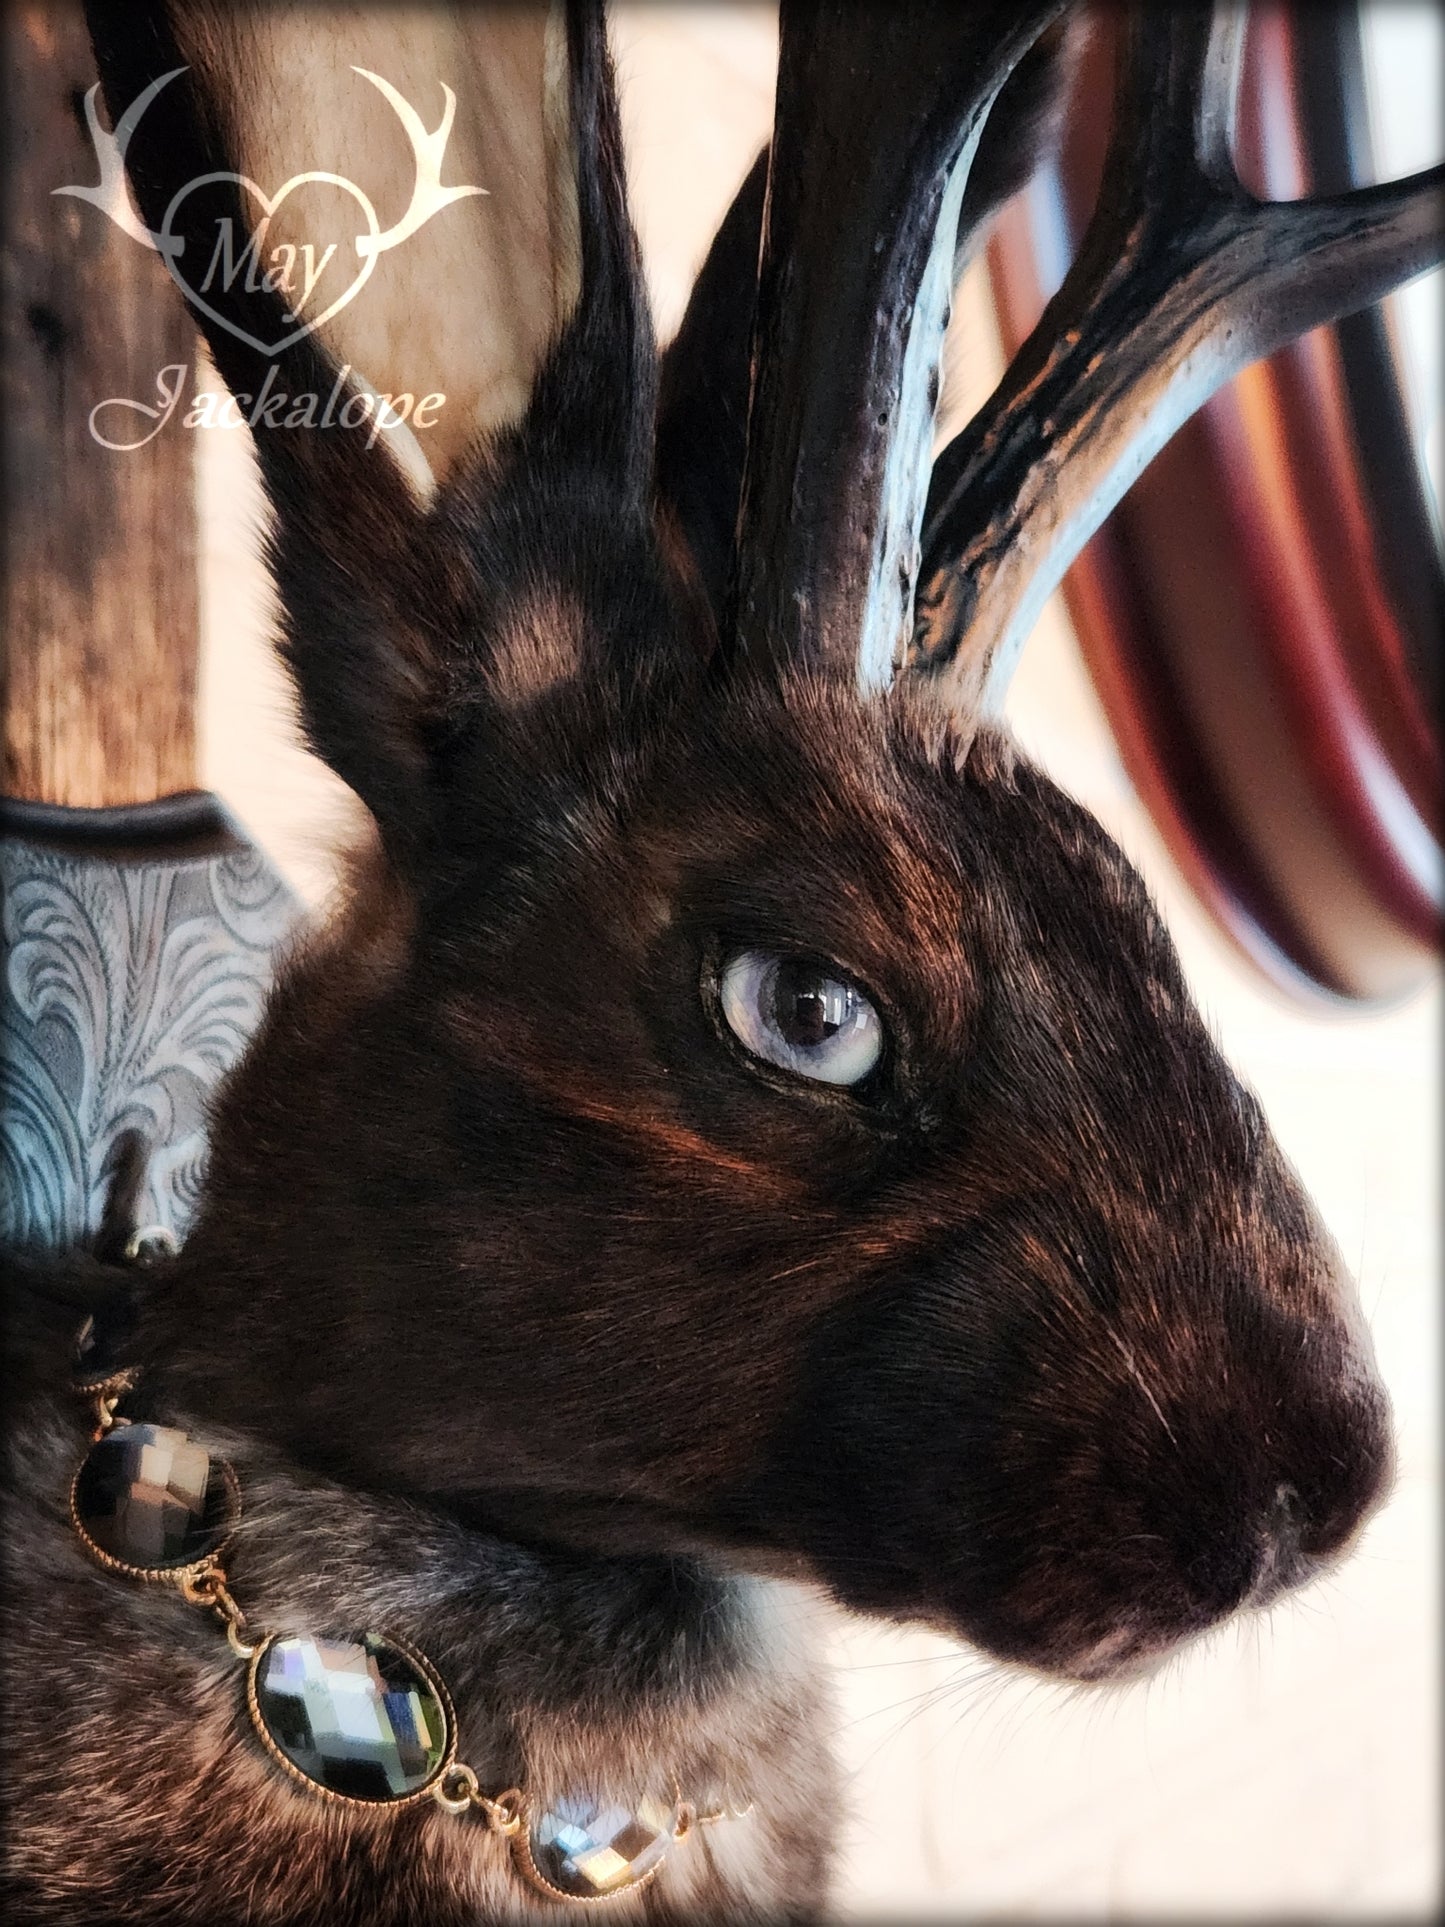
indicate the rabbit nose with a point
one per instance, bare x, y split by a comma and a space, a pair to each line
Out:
1282, 1560
1283, 1522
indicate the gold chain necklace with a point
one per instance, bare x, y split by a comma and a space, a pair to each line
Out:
364, 1722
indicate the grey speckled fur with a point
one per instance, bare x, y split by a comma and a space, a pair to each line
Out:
143, 1795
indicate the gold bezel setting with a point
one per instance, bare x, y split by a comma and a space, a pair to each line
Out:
162, 1575
113, 1384
413, 1658
527, 1866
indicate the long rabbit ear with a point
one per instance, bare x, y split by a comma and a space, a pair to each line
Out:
706, 370
702, 413
466, 168
405, 179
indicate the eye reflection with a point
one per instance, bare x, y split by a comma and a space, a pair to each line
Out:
800, 1014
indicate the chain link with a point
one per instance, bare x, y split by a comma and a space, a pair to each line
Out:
208, 1588
458, 1789
150, 1244
505, 1813
105, 1413
726, 1812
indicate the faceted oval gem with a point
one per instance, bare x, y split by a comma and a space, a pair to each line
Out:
361, 1718
149, 1497
584, 1848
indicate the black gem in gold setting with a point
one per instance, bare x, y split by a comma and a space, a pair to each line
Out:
364, 1720
583, 1848
149, 1501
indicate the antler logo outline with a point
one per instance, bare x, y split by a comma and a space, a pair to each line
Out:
111, 194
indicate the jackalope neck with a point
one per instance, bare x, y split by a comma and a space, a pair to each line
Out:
202, 1364
324, 1542
552, 1692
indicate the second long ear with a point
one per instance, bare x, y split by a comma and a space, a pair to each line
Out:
706, 370
426, 206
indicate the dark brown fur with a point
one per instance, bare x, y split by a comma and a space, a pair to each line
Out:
532, 1311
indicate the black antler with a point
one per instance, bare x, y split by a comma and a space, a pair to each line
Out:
878, 114
1182, 280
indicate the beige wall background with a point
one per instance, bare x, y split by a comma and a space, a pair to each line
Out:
1284, 1769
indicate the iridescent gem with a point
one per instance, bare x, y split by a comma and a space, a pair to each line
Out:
150, 1498
584, 1848
360, 1718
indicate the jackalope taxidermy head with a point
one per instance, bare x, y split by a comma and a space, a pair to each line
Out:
751, 1121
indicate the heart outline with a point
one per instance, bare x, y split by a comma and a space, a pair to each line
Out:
171, 245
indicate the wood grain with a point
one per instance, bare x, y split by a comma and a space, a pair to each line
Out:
98, 677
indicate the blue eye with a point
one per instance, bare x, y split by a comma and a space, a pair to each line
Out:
800, 1015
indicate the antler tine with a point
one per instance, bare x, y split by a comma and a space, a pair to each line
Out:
1176, 84
1182, 280
428, 196
878, 113
111, 193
